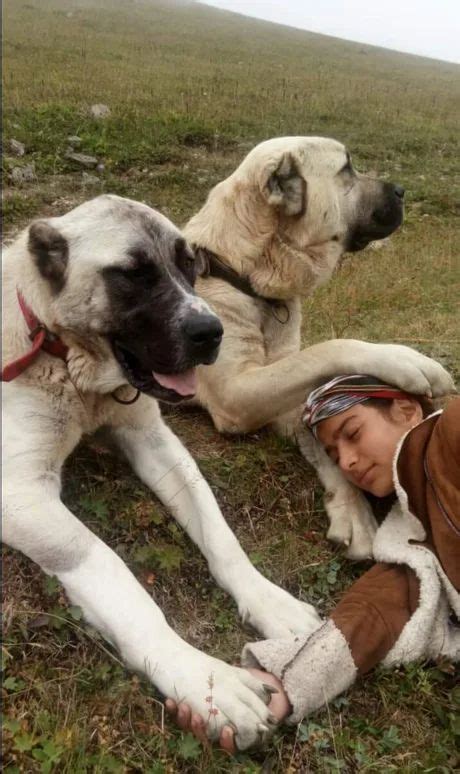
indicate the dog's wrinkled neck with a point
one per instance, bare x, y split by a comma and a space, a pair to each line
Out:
286, 271
248, 237
214, 266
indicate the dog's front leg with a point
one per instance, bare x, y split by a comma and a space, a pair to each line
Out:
352, 522
164, 464
37, 523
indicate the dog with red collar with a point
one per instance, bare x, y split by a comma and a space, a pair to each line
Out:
99, 310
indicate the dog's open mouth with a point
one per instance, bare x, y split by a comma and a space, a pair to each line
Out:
171, 388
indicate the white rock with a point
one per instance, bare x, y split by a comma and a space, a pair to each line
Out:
99, 110
24, 174
74, 141
88, 179
17, 147
81, 158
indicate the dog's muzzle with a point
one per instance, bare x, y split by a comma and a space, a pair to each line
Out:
166, 371
384, 219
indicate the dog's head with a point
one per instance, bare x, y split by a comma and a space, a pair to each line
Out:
119, 279
319, 196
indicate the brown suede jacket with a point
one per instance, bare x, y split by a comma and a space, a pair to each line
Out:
405, 607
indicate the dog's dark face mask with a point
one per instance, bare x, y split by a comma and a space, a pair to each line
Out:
324, 203
161, 330
380, 212
119, 271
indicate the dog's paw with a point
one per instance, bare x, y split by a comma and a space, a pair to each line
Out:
222, 695
275, 613
410, 370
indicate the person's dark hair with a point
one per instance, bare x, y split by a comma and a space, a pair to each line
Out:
382, 505
384, 404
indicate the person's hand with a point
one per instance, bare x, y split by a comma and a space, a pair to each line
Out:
190, 721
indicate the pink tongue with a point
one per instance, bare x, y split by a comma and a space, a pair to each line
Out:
183, 384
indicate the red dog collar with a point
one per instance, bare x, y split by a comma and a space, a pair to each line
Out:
40, 337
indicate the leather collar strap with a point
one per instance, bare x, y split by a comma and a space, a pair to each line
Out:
41, 339
215, 267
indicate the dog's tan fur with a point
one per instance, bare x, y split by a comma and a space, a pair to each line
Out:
287, 239
283, 220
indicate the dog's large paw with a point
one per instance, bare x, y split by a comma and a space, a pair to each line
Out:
274, 612
221, 694
352, 522
409, 370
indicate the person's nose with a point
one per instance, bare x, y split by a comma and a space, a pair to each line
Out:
347, 458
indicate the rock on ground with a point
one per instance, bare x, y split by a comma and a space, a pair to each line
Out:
24, 174
99, 111
17, 147
81, 158
74, 141
88, 179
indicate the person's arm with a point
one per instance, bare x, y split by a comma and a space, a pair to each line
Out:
442, 469
360, 632
309, 671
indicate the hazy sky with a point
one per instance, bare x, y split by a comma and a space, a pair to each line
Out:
426, 27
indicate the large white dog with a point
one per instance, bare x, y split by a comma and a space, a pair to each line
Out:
268, 235
97, 305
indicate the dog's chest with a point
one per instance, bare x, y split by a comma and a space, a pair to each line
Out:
96, 411
281, 329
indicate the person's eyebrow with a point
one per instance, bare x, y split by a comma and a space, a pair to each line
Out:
337, 432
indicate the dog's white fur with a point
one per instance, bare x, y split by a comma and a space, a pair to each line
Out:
46, 412
257, 223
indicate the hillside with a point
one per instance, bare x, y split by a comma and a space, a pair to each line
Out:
183, 73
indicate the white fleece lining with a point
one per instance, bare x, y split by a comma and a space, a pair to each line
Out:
428, 633
273, 655
313, 672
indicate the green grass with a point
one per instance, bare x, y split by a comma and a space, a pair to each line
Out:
191, 89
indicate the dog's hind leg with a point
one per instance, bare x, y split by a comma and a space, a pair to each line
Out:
167, 468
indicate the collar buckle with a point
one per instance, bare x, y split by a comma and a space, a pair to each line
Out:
35, 331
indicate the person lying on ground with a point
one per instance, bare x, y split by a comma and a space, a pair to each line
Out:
407, 606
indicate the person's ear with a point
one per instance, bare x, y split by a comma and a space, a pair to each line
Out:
406, 411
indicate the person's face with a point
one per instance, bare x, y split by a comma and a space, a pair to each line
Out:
362, 441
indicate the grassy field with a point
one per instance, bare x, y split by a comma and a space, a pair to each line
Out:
191, 89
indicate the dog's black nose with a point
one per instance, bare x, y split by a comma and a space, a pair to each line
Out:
399, 191
203, 330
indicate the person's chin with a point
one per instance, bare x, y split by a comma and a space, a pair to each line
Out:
380, 488
377, 485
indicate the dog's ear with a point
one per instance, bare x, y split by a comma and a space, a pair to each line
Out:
286, 188
50, 252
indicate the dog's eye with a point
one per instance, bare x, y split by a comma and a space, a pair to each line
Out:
132, 281
186, 261
188, 267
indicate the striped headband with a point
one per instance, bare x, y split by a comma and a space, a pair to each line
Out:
343, 392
